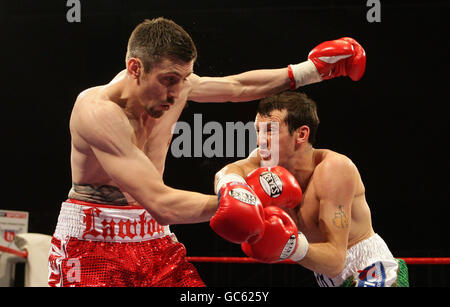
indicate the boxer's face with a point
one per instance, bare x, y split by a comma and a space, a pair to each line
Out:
159, 88
273, 138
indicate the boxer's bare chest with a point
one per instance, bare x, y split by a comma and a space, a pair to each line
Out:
306, 215
154, 141
153, 136
92, 183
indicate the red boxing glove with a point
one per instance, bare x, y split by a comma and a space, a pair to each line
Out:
275, 186
281, 239
340, 57
240, 216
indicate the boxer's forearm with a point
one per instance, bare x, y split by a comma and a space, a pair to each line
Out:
247, 86
324, 258
182, 207
258, 84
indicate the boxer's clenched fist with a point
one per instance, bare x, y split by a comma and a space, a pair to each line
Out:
340, 57
275, 186
240, 216
281, 239
330, 59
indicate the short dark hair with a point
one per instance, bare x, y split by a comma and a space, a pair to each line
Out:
301, 110
153, 40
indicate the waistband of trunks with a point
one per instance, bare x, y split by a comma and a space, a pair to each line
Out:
109, 223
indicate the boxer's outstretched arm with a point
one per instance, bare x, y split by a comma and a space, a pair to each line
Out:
341, 57
335, 187
247, 86
108, 132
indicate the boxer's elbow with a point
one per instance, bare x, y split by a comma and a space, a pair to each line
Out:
165, 214
158, 203
157, 211
334, 273
163, 219
172, 206
325, 258
336, 265
160, 214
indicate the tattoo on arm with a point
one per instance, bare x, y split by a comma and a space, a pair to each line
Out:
105, 194
340, 220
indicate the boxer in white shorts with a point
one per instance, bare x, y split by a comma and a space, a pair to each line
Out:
315, 206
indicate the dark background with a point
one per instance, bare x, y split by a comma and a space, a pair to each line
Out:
392, 123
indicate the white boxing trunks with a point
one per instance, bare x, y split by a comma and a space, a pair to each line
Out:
369, 263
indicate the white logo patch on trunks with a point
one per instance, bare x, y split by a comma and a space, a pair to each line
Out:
271, 184
372, 276
244, 196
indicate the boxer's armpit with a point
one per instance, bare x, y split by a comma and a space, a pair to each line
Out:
104, 194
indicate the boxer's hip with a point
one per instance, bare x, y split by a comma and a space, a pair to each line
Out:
369, 263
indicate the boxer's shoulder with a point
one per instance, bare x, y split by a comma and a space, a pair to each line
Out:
94, 115
332, 166
328, 160
94, 101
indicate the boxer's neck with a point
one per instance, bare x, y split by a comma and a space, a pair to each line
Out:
303, 163
121, 91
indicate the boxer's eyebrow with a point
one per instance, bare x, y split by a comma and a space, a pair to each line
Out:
178, 74
266, 125
178, 71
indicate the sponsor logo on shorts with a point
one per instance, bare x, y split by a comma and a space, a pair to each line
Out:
372, 276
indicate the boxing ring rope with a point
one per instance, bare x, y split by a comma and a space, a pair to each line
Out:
408, 260
8, 250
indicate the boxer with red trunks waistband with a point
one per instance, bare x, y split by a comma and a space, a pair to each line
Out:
88, 249
113, 230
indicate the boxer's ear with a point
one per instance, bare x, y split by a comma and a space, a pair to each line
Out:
134, 68
301, 135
